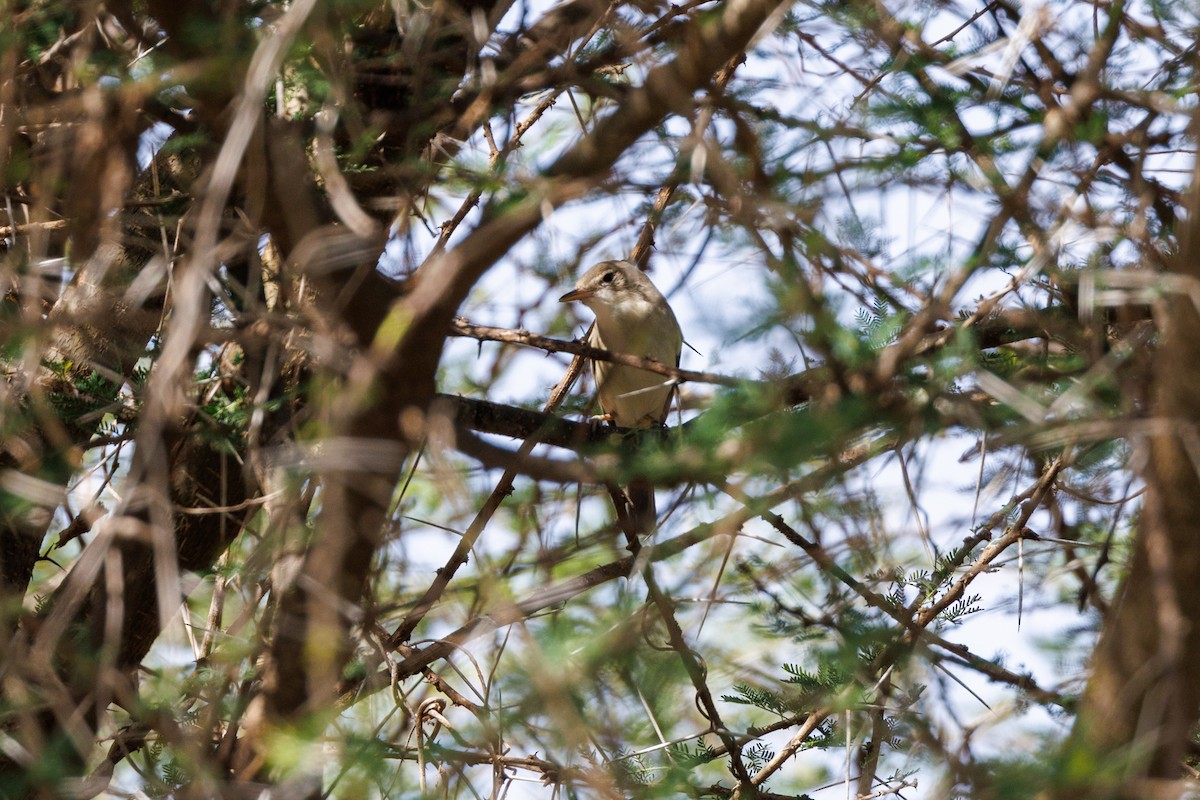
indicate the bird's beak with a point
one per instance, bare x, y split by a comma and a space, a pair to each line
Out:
576, 294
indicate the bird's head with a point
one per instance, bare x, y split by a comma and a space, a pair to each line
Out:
608, 284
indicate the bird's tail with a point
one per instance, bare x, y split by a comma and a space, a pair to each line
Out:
641, 506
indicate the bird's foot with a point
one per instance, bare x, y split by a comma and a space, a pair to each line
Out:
602, 423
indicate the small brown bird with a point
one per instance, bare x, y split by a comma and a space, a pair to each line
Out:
632, 317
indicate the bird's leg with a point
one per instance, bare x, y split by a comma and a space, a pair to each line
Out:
601, 425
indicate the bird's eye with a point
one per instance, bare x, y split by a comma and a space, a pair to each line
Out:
608, 277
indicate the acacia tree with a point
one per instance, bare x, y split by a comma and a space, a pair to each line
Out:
293, 501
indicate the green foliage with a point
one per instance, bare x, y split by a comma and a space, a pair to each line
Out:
857, 184
762, 698
700, 753
226, 411
81, 398
164, 775
879, 327
827, 678
956, 611
632, 770
41, 25
1059, 766
757, 756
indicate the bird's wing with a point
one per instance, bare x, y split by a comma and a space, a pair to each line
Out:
600, 369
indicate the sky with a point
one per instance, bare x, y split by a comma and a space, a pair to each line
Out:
719, 296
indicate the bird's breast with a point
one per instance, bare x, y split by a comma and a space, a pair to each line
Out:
636, 397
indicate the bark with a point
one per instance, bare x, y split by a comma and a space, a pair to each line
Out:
1142, 699
314, 621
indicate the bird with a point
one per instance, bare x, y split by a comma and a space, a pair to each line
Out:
632, 317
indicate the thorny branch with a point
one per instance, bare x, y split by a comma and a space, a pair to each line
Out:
210, 347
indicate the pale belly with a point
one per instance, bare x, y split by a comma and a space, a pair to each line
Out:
634, 398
